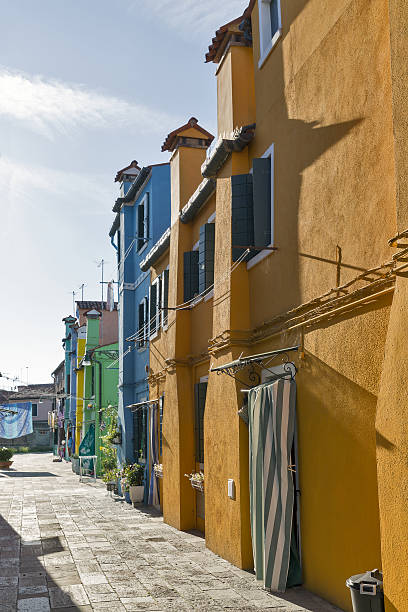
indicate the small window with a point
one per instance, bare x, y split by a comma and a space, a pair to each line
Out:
34, 410
143, 223
270, 26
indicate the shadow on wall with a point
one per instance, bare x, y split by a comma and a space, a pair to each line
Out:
299, 144
338, 479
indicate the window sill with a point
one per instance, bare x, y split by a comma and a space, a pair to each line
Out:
255, 260
269, 48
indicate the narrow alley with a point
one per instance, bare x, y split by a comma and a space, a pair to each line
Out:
70, 546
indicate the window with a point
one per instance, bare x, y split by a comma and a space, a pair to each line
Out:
155, 304
143, 223
190, 275
206, 256
143, 322
270, 27
34, 410
140, 434
200, 393
199, 265
165, 298
252, 209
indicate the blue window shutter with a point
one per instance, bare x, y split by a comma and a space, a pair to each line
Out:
242, 222
165, 297
190, 275
146, 218
261, 169
274, 14
206, 256
140, 226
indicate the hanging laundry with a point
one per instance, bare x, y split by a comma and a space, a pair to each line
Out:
18, 424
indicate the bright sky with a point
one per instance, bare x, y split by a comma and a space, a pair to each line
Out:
85, 87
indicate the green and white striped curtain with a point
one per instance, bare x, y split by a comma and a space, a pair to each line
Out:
271, 409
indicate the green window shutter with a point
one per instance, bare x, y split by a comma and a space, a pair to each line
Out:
242, 222
153, 309
165, 298
206, 256
190, 275
200, 393
262, 201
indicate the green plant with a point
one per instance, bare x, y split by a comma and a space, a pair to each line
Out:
6, 453
133, 474
110, 476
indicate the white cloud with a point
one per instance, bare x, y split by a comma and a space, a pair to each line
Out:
190, 16
50, 107
24, 185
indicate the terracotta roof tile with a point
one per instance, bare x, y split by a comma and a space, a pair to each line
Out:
170, 141
219, 40
119, 173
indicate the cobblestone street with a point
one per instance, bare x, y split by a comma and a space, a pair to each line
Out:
70, 546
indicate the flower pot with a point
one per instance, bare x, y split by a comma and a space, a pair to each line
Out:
127, 497
109, 486
198, 485
4, 465
136, 494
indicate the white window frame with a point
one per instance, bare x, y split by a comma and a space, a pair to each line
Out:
270, 152
267, 40
145, 202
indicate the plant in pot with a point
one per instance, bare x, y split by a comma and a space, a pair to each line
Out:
197, 480
5, 456
110, 479
134, 480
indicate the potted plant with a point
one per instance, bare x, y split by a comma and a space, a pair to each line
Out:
158, 470
197, 480
5, 456
134, 480
110, 479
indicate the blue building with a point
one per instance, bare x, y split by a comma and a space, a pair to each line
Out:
69, 343
142, 216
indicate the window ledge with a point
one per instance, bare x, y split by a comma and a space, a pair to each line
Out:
255, 260
269, 48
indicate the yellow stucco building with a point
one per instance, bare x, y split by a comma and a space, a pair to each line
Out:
283, 234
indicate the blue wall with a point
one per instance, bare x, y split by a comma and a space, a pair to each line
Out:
133, 287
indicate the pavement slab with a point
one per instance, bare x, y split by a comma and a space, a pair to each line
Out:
70, 546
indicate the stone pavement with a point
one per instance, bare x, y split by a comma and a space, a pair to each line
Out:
70, 546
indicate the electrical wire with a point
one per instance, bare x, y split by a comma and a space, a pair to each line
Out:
139, 334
